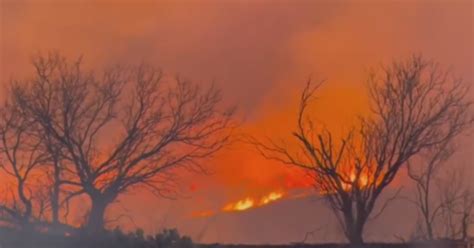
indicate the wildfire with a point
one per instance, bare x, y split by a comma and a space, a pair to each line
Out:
362, 181
249, 202
271, 197
240, 205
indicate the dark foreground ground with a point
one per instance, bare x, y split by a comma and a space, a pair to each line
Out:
439, 244
166, 239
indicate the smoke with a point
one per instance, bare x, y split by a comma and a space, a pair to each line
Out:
260, 53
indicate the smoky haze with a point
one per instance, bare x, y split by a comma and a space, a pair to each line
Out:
260, 53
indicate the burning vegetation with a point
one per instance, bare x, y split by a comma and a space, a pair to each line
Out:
250, 202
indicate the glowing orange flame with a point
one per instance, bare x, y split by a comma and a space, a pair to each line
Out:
271, 197
249, 202
362, 180
240, 205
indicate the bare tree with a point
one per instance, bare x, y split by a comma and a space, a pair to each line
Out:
466, 214
457, 206
21, 154
413, 104
424, 172
424, 182
124, 128
31, 192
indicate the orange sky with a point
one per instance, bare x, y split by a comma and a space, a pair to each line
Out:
260, 53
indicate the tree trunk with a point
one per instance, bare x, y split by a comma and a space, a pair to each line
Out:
429, 230
355, 227
354, 235
354, 222
95, 221
55, 194
55, 204
26, 215
464, 226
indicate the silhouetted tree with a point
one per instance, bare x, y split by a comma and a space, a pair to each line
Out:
456, 206
413, 105
122, 128
21, 155
31, 168
424, 171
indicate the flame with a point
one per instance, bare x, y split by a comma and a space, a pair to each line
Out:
362, 181
243, 204
271, 197
250, 202
240, 205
